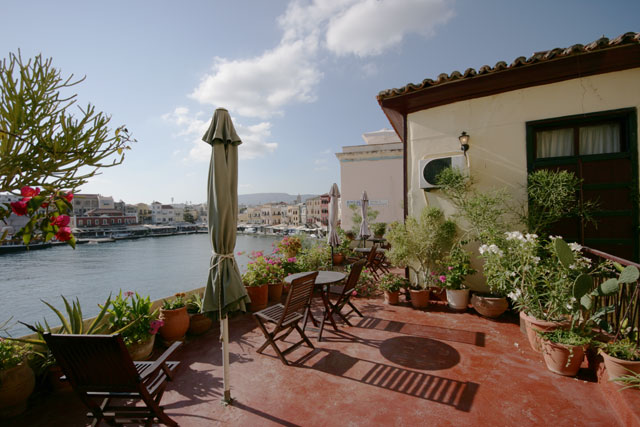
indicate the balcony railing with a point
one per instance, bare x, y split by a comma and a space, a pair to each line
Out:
624, 319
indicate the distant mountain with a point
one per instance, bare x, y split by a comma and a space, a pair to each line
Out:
262, 198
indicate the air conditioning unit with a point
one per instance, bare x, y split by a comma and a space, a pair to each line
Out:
430, 168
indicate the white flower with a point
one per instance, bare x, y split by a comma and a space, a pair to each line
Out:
555, 237
572, 267
495, 250
531, 237
569, 306
575, 247
482, 249
514, 295
513, 274
514, 235
536, 260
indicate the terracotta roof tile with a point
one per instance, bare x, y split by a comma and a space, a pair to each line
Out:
577, 49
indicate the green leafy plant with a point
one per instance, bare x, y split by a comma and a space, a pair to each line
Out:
263, 270
131, 315
344, 247
392, 282
570, 337
175, 303
631, 380
194, 304
314, 258
12, 353
457, 267
624, 349
289, 246
379, 228
421, 244
356, 217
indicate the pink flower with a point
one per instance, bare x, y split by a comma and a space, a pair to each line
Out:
154, 326
28, 192
443, 278
240, 253
128, 294
292, 259
60, 221
450, 267
68, 197
354, 293
433, 273
19, 208
259, 253
63, 234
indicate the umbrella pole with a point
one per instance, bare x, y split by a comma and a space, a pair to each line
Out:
224, 325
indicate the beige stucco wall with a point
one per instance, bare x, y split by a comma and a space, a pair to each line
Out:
382, 180
497, 128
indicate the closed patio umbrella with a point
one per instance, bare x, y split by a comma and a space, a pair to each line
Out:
224, 291
333, 239
364, 232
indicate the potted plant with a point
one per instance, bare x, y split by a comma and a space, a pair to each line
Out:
343, 250
378, 229
458, 267
199, 322
563, 350
289, 246
421, 244
131, 315
17, 379
176, 320
621, 358
391, 284
261, 272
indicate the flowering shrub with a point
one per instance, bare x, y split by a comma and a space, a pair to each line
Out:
132, 314
47, 212
262, 270
366, 285
458, 266
12, 353
314, 258
289, 246
532, 275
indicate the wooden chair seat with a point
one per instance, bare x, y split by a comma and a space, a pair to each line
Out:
99, 366
286, 317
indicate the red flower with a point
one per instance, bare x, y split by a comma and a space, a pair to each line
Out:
29, 192
69, 197
44, 205
63, 234
19, 208
60, 221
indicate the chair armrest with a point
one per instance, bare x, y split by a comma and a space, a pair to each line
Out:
160, 362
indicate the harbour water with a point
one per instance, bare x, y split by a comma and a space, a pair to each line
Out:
158, 267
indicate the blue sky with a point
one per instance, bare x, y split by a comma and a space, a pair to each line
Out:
300, 78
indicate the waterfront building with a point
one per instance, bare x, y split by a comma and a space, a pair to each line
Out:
375, 167
131, 210
271, 213
13, 222
293, 214
143, 213
102, 218
318, 210
162, 214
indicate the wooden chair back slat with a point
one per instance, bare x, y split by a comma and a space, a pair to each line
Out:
354, 275
95, 362
299, 294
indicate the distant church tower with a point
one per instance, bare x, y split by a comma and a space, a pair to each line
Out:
298, 199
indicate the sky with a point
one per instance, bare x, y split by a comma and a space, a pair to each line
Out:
299, 77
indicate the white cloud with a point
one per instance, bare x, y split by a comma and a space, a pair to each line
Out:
261, 86
370, 69
370, 27
254, 138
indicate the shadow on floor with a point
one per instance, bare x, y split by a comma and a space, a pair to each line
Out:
454, 393
425, 331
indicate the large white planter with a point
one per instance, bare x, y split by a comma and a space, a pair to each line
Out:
458, 299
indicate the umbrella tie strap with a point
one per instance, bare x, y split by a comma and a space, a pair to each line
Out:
221, 257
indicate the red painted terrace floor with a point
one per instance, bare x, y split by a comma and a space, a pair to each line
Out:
396, 366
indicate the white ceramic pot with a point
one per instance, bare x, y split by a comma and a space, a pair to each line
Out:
458, 299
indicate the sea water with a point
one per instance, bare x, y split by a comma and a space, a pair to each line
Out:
158, 267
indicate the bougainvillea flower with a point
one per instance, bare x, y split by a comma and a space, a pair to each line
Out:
128, 294
19, 208
29, 192
443, 278
63, 234
60, 221
44, 205
68, 197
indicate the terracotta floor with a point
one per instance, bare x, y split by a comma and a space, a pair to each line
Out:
395, 366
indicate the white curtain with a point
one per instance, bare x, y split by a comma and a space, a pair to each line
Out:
600, 139
554, 143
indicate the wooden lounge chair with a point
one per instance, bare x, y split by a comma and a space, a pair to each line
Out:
342, 295
99, 367
286, 317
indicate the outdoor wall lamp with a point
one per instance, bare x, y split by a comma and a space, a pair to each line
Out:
464, 142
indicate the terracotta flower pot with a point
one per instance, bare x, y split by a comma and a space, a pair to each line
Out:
142, 350
338, 259
533, 326
458, 299
489, 306
259, 296
617, 368
392, 298
16, 385
275, 292
199, 323
419, 298
562, 359
176, 323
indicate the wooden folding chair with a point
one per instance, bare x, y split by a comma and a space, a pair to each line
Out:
343, 297
286, 317
100, 367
